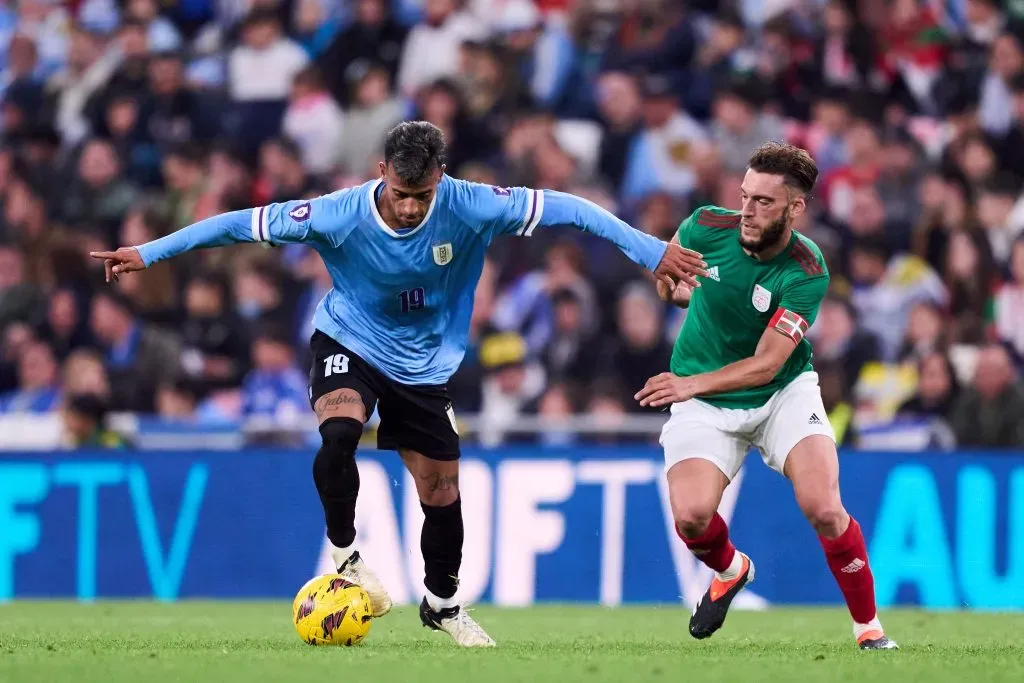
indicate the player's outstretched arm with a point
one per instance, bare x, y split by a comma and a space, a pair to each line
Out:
668, 261
773, 350
217, 231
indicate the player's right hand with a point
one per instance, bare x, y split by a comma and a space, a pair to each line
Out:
116, 263
680, 265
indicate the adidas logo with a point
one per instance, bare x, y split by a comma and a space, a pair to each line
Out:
713, 273
854, 566
815, 420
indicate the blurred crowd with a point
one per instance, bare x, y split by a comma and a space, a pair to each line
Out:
123, 120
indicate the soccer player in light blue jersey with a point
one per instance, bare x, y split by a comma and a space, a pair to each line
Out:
405, 252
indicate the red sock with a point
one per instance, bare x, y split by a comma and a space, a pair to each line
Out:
848, 559
713, 547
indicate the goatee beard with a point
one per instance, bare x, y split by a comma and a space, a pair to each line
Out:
770, 236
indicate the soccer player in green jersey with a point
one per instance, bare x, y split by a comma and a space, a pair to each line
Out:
741, 376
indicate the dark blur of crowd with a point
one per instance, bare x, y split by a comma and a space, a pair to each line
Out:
123, 120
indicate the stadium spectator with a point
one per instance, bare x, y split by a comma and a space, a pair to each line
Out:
1009, 304
20, 300
573, 348
639, 351
971, 280
926, 333
374, 112
85, 423
87, 70
100, 195
557, 404
138, 356
884, 291
274, 387
738, 126
937, 388
840, 340
84, 373
260, 75
161, 33
432, 50
176, 402
661, 157
215, 345
373, 37
282, 175
512, 381
988, 413
65, 327
314, 121
607, 404
38, 386
177, 114
618, 100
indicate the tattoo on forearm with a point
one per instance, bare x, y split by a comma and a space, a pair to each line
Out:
329, 403
437, 482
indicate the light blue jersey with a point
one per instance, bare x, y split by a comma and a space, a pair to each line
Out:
402, 300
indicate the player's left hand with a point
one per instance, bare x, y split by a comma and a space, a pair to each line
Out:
680, 265
665, 389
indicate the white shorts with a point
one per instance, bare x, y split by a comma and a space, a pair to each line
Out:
723, 435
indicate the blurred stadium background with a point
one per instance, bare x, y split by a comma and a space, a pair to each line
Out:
157, 434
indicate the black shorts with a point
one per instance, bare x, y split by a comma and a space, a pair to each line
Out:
417, 417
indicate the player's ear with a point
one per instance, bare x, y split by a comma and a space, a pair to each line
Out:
798, 206
383, 168
444, 167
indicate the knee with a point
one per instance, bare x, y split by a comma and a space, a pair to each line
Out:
692, 519
441, 491
340, 437
826, 515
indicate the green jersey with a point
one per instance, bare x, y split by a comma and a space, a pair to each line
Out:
740, 297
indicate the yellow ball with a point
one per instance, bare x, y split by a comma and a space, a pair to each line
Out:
329, 610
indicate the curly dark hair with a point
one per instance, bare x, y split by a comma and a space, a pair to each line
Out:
414, 150
794, 164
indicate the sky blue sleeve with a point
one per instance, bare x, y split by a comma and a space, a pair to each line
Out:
286, 222
559, 208
217, 231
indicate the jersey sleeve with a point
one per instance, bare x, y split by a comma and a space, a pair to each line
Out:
300, 220
502, 210
799, 306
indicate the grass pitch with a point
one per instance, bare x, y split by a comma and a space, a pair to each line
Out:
247, 642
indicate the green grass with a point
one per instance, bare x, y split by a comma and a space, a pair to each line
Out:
196, 642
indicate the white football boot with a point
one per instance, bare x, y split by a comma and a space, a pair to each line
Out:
457, 623
355, 570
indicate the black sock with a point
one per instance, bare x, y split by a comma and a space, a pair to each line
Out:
337, 478
441, 543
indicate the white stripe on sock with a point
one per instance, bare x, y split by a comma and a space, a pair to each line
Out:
340, 555
733, 570
437, 604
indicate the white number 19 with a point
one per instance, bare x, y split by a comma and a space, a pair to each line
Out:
335, 365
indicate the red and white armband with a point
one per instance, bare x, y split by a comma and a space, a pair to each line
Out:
789, 323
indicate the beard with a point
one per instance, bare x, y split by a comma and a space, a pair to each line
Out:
770, 237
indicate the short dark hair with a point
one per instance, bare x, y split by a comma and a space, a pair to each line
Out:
414, 149
795, 165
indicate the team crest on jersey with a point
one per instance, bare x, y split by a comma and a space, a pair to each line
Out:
300, 212
443, 253
762, 299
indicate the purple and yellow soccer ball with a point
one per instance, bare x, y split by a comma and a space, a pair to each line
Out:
330, 610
